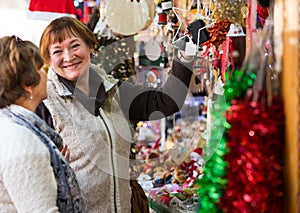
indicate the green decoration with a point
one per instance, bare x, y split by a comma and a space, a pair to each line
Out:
213, 183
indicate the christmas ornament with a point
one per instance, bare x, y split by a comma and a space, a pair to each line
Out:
231, 10
162, 18
152, 50
185, 17
227, 58
166, 5
49, 10
195, 24
194, 168
262, 14
180, 13
128, 18
218, 32
235, 30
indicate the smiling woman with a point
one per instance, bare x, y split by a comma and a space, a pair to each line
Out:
92, 111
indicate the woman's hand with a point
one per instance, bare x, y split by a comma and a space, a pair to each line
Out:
65, 151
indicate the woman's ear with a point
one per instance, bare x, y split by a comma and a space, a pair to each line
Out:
46, 68
29, 91
92, 51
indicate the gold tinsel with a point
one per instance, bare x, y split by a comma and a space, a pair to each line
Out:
233, 10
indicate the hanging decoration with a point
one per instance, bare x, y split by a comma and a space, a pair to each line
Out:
262, 14
192, 18
128, 18
227, 58
102, 30
235, 30
255, 169
214, 181
162, 18
49, 10
218, 32
233, 10
180, 13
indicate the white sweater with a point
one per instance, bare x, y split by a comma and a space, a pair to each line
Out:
27, 182
99, 145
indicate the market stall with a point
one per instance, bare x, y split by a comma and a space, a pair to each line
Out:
223, 151
192, 160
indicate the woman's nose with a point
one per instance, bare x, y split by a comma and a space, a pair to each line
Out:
68, 55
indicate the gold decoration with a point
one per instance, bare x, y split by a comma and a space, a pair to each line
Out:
233, 10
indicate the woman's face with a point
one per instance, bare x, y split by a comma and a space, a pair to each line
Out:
70, 58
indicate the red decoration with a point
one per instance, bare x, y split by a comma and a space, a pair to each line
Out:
218, 31
262, 13
254, 172
194, 167
48, 10
162, 18
226, 57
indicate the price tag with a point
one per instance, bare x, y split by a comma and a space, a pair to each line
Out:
190, 48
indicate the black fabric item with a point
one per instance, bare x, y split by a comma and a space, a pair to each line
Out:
140, 103
95, 99
139, 200
43, 112
194, 28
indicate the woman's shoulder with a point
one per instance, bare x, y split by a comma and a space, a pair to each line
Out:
17, 140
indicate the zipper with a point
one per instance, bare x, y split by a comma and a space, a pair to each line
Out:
111, 157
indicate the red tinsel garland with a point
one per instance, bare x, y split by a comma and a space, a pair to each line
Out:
254, 172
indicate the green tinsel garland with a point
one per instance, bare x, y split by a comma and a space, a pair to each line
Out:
213, 183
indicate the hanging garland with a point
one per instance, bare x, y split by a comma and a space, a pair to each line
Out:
254, 170
212, 185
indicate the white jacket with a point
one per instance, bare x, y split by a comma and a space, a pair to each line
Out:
99, 145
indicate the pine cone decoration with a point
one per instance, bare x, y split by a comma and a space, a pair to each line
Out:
218, 32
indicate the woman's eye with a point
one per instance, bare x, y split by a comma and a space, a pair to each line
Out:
75, 45
56, 51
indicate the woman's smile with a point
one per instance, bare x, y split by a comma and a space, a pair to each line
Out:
72, 66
